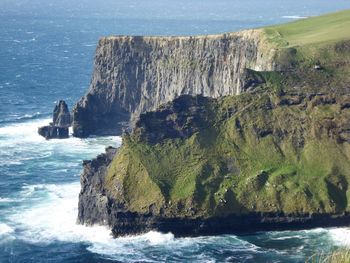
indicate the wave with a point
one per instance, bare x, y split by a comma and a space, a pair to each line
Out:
289, 237
6, 233
5, 229
23, 130
295, 17
7, 200
15, 118
52, 215
21, 143
40, 223
340, 236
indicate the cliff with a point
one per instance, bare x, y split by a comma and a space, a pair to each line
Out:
274, 157
133, 75
207, 166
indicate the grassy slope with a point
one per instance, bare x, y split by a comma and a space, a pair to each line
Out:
322, 29
232, 169
323, 40
285, 158
338, 256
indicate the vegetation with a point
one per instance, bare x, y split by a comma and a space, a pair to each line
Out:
316, 30
281, 148
322, 42
339, 256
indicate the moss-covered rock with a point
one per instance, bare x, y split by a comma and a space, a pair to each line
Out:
242, 155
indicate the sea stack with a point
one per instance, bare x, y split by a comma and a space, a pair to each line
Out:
61, 121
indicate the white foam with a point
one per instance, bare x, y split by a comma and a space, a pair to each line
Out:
54, 218
156, 238
340, 236
295, 17
21, 142
26, 131
7, 200
289, 237
6, 233
5, 229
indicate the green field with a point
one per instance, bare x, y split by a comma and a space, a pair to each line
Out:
315, 30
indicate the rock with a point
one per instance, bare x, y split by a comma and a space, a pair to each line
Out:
59, 128
133, 75
53, 132
93, 202
178, 119
61, 115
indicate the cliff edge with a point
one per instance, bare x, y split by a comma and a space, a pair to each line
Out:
133, 75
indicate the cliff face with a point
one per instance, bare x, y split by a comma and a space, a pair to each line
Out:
206, 166
133, 75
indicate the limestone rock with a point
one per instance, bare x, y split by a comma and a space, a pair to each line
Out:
133, 75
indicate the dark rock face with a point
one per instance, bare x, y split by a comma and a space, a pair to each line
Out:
61, 115
59, 128
133, 75
127, 223
178, 119
53, 132
93, 202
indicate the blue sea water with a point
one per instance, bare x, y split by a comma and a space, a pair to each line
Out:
46, 54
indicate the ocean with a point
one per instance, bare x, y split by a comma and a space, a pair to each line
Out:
46, 54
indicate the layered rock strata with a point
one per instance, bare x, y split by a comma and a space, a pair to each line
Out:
133, 75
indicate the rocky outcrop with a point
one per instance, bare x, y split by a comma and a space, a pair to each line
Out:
61, 121
61, 115
181, 118
93, 203
133, 75
202, 166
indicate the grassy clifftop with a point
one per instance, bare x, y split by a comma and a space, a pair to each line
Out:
284, 147
315, 30
322, 42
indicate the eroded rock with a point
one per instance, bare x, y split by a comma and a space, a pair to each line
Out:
59, 127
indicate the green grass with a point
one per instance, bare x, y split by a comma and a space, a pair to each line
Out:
338, 256
322, 40
322, 29
238, 168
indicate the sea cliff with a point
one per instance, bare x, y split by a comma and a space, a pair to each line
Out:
133, 75
276, 156
207, 166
